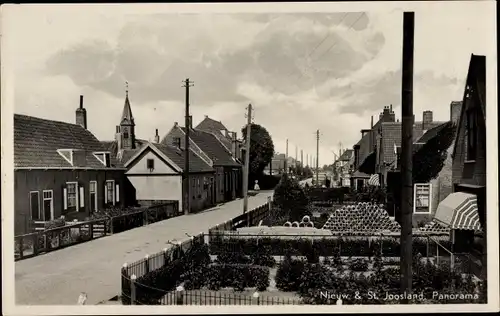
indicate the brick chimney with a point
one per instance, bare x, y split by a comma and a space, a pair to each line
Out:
157, 137
81, 114
455, 109
234, 145
387, 115
426, 120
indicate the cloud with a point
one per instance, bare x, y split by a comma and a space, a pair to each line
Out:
218, 52
300, 71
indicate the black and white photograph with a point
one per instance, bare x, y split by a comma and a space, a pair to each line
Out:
265, 157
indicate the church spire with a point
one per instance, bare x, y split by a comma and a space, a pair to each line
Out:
127, 117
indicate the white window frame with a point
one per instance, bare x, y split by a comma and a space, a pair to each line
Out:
77, 193
31, 213
51, 199
90, 196
415, 198
114, 192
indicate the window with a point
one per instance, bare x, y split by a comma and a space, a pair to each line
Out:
177, 142
71, 196
93, 195
35, 205
422, 198
109, 193
151, 164
48, 205
125, 135
471, 134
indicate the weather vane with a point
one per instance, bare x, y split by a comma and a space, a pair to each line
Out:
126, 88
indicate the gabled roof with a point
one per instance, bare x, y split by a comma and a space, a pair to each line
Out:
37, 140
346, 155
209, 124
125, 154
173, 156
211, 146
431, 133
391, 135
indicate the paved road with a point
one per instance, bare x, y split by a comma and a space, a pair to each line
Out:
59, 277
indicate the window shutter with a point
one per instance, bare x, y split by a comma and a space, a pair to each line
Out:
82, 197
65, 198
117, 193
105, 194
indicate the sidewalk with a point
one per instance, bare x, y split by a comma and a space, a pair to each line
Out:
58, 278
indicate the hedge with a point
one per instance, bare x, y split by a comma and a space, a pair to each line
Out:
321, 247
238, 276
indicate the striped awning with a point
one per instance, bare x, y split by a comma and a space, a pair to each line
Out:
459, 211
374, 180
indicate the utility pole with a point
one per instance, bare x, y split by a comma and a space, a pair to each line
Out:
302, 161
247, 159
407, 152
307, 159
187, 123
317, 157
296, 160
286, 157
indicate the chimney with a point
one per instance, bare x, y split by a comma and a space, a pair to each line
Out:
157, 137
426, 120
234, 145
455, 109
81, 114
176, 124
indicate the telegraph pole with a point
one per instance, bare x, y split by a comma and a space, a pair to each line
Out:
247, 159
187, 123
296, 160
286, 157
307, 159
317, 157
407, 152
302, 161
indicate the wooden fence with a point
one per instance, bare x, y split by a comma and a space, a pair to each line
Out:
139, 269
43, 240
30, 245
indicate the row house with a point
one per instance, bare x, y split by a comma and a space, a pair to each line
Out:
155, 172
228, 170
61, 169
343, 166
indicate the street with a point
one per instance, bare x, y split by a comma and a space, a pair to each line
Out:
59, 277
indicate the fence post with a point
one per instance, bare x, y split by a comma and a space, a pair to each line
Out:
256, 296
452, 260
437, 254
179, 295
35, 243
427, 248
165, 256
147, 263
110, 225
132, 289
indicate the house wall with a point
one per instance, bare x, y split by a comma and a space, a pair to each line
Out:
200, 191
160, 166
470, 172
26, 181
157, 187
219, 184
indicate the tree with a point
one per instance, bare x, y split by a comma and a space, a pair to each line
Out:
291, 198
429, 159
261, 149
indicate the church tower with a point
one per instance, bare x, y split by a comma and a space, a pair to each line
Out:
125, 132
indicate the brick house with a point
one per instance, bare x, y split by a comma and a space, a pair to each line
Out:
154, 172
61, 169
228, 170
226, 137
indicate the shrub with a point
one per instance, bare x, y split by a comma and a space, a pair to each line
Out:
238, 276
263, 258
288, 274
359, 265
232, 258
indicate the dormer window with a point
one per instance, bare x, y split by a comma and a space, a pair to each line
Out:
67, 154
177, 142
104, 157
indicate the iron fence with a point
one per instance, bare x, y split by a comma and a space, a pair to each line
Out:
207, 297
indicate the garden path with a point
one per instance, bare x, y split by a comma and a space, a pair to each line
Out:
58, 278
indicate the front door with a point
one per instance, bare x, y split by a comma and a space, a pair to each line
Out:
48, 205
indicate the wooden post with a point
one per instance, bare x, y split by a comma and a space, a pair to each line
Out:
147, 263
35, 244
91, 229
179, 294
133, 295
110, 225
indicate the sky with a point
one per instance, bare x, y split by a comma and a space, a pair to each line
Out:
301, 70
